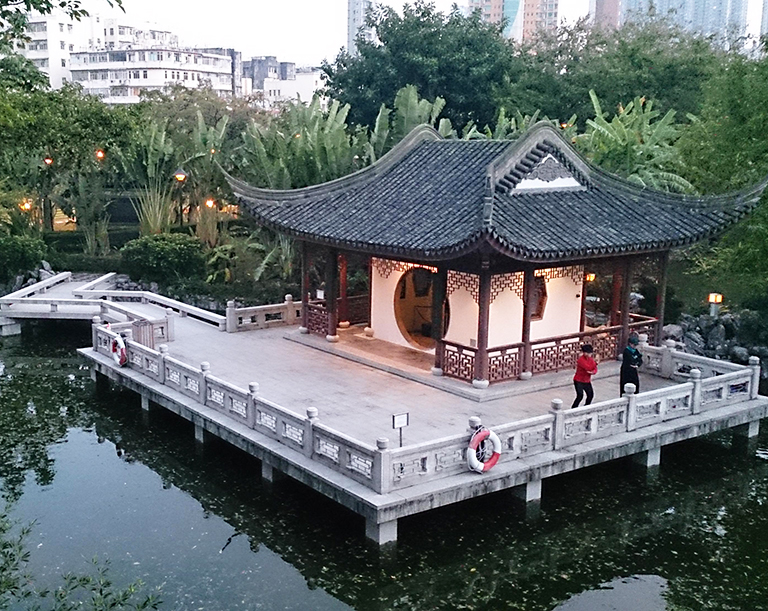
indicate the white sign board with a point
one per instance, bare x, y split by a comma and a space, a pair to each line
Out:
400, 420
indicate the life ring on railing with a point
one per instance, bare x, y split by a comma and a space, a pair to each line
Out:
476, 453
118, 351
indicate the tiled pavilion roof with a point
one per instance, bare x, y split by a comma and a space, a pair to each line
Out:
532, 199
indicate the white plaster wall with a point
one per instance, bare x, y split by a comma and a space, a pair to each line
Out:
505, 324
383, 320
462, 327
563, 312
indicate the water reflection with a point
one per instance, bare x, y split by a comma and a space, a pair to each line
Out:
99, 479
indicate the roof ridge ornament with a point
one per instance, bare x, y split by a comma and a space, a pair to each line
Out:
488, 203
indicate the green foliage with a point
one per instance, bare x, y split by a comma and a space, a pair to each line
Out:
163, 258
462, 59
647, 57
17, 73
302, 146
635, 145
19, 254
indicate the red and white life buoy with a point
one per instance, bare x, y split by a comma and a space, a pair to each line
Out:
483, 463
118, 351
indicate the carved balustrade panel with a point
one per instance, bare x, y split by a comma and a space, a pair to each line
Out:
317, 319
556, 357
357, 309
459, 362
503, 364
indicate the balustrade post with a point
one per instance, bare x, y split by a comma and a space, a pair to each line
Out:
95, 324
559, 426
163, 349
103, 307
205, 368
290, 310
696, 392
754, 387
54, 307
309, 434
170, 324
629, 393
667, 364
382, 460
253, 395
231, 317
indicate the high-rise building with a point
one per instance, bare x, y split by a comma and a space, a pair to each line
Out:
356, 13
494, 11
764, 21
718, 17
605, 13
539, 15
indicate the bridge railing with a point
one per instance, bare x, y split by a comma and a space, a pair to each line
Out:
262, 317
38, 287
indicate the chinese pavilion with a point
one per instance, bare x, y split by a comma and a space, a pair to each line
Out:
478, 249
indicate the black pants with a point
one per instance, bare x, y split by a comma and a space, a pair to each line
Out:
583, 388
627, 377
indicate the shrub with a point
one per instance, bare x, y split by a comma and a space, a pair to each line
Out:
164, 258
19, 254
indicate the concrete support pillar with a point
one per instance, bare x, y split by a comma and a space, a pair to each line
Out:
649, 459
267, 472
9, 327
745, 437
381, 533
145, 402
199, 434
529, 492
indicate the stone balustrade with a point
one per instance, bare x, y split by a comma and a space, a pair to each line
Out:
262, 317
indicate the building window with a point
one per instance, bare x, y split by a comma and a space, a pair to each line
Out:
145, 74
37, 27
71, 48
186, 76
61, 27
166, 75
136, 74
177, 57
63, 63
142, 56
69, 27
63, 45
111, 31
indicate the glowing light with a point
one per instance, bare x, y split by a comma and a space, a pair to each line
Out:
210, 203
180, 175
100, 154
589, 277
48, 160
26, 205
213, 151
715, 298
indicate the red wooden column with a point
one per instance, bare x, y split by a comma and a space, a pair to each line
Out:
332, 294
529, 286
661, 295
483, 318
626, 289
304, 288
616, 294
439, 288
583, 316
343, 304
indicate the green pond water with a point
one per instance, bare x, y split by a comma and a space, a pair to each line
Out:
99, 478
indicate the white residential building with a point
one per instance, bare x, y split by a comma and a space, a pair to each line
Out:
119, 76
52, 38
356, 13
302, 86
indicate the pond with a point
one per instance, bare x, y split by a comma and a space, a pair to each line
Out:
98, 477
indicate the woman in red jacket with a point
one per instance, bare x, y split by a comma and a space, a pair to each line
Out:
586, 367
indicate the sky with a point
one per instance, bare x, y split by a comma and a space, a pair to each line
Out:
300, 31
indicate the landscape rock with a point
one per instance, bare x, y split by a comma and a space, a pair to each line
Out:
739, 355
46, 266
674, 332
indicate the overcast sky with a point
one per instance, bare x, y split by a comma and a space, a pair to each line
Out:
301, 31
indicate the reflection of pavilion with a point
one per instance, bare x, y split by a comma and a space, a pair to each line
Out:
478, 249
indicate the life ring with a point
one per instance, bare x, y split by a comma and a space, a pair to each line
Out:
478, 438
118, 351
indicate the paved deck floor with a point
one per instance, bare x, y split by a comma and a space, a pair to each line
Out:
358, 399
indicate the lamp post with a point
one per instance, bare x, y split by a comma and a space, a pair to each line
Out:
714, 299
180, 176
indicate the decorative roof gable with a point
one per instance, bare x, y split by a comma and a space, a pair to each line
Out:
548, 173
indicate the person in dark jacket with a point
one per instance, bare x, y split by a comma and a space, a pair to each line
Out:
630, 363
586, 367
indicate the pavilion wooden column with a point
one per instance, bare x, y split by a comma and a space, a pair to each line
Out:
626, 289
332, 294
526, 366
483, 318
616, 285
439, 287
343, 305
661, 295
304, 288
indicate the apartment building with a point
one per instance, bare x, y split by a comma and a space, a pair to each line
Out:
522, 18
710, 17
356, 13
118, 76
51, 40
